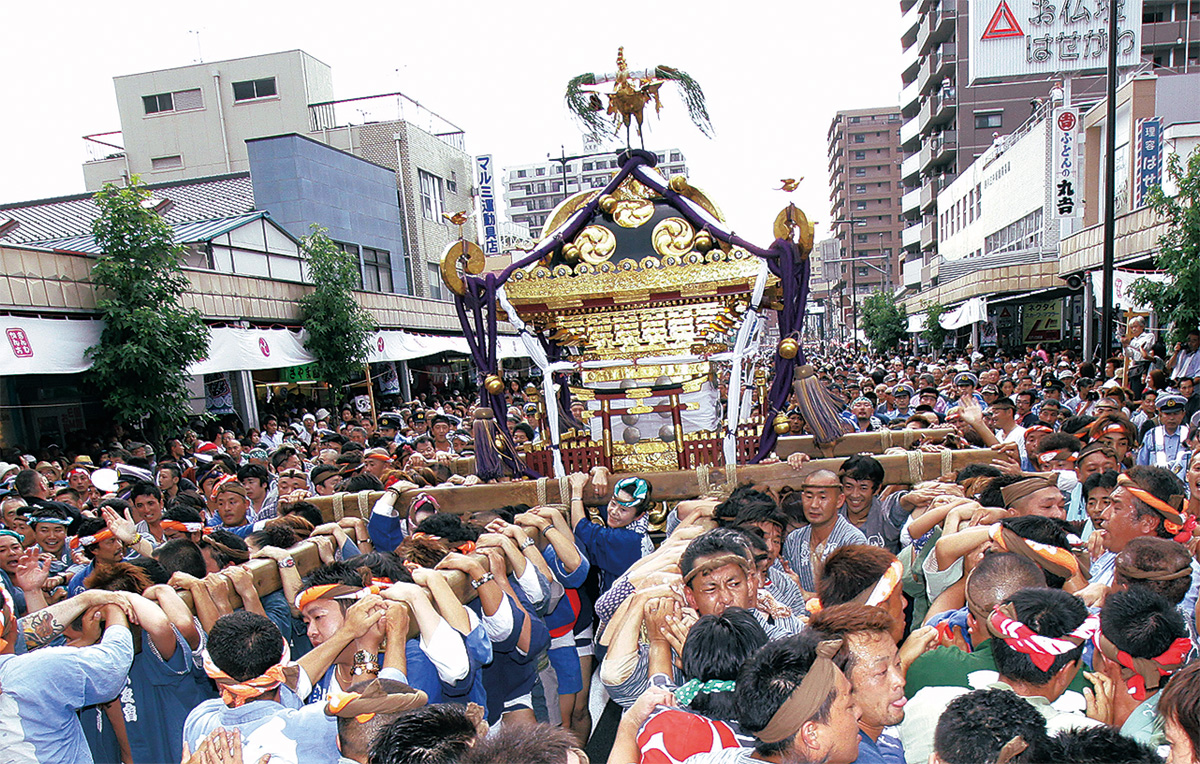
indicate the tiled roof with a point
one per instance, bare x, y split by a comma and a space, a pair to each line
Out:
71, 216
185, 233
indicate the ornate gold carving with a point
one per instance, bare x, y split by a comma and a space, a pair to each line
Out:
565, 209
616, 374
673, 236
596, 244
465, 255
791, 223
633, 213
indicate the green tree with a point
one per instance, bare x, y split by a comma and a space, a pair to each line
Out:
933, 333
339, 329
884, 322
149, 339
1176, 300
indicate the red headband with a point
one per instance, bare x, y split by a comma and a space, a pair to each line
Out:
1141, 674
1042, 650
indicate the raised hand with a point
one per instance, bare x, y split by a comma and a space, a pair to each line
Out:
124, 528
32, 569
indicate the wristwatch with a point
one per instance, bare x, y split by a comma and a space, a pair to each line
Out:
478, 582
287, 562
364, 663
528, 542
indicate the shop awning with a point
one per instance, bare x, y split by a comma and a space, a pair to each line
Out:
916, 323
970, 312
47, 345
231, 349
394, 345
57, 346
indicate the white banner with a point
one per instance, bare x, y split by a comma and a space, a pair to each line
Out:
1066, 160
1122, 280
1014, 38
231, 349
970, 312
46, 345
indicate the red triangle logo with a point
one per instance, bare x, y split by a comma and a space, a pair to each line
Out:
1003, 24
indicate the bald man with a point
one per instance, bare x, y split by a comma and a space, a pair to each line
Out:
827, 531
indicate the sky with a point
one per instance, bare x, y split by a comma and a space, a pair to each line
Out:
774, 74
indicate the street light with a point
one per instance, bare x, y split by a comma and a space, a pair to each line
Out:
853, 223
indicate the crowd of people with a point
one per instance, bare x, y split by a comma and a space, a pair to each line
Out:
1039, 605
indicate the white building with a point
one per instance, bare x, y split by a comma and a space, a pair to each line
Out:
195, 121
531, 191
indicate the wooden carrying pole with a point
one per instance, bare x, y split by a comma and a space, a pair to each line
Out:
860, 442
899, 469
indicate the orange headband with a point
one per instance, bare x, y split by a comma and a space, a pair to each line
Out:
884, 587
235, 693
1051, 558
1179, 524
82, 541
1113, 429
175, 525
333, 592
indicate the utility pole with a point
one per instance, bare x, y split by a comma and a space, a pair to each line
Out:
1110, 190
852, 222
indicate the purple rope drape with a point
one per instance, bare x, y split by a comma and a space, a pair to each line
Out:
477, 314
793, 272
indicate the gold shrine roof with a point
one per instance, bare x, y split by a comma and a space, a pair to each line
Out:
636, 249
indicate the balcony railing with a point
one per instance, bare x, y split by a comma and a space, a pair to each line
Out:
386, 107
100, 147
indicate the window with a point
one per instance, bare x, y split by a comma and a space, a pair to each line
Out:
158, 103
377, 270
855, 120
599, 181
860, 138
432, 201
978, 202
860, 171
541, 188
676, 156
540, 171
990, 119
556, 187
860, 205
251, 89
520, 173
158, 164
860, 155
861, 238
433, 280
661, 157
180, 100
452, 182
588, 166
860, 189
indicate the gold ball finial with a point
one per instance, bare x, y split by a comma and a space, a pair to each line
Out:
493, 384
789, 348
781, 424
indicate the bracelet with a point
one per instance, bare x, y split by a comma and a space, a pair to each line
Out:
528, 542
137, 537
287, 562
478, 582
